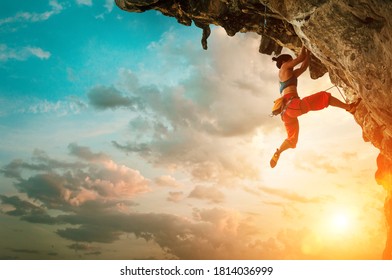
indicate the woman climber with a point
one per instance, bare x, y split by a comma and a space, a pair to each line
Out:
293, 106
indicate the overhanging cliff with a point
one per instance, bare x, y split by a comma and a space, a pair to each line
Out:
349, 39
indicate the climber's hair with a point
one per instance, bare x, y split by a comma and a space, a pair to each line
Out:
281, 59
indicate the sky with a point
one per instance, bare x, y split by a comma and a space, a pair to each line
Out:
121, 138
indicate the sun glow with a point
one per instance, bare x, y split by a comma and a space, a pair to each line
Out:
340, 222
337, 223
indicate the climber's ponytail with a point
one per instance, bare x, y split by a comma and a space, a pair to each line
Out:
281, 59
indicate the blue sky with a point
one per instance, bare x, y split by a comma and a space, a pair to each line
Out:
69, 42
121, 138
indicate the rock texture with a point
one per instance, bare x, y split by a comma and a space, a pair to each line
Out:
349, 39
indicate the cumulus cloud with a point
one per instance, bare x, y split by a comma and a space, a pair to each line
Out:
178, 236
40, 162
175, 196
102, 98
216, 105
211, 194
63, 185
21, 207
85, 153
167, 181
93, 197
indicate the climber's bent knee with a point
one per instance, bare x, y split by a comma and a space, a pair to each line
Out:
315, 102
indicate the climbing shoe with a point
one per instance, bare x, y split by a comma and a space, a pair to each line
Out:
275, 158
353, 106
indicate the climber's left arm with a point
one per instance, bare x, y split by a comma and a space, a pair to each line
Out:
304, 65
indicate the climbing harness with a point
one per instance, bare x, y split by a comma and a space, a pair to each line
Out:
280, 106
286, 106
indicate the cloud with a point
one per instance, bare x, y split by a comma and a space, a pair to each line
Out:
86, 249
223, 219
21, 207
82, 247
102, 98
38, 52
71, 105
350, 155
194, 111
86, 154
63, 185
26, 210
293, 196
211, 194
289, 210
56, 8
185, 146
311, 161
92, 202
23, 53
89, 234
40, 162
84, 2
167, 181
109, 4
175, 196
25, 251
178, 236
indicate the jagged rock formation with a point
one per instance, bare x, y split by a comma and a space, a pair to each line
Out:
349, 39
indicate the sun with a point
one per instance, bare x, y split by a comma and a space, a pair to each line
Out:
339, 222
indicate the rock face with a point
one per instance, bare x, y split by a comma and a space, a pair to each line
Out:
349, 39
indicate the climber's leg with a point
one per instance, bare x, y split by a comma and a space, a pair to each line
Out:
317, 101
292, 129
353, 106
333, 101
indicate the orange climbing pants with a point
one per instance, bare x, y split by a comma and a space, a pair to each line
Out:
298, 107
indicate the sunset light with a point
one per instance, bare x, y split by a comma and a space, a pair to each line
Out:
340, 222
